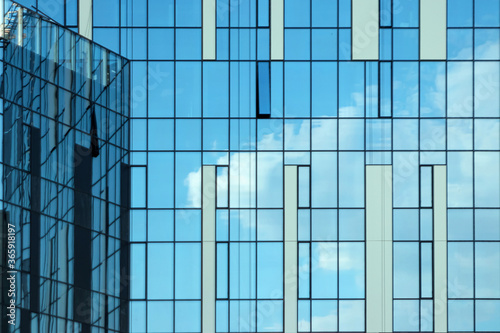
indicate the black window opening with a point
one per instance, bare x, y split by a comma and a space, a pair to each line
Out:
263, 89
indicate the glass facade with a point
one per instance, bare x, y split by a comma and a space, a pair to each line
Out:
65, 180
251, 114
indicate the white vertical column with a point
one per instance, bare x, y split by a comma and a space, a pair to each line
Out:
209, 30
378, 248
290, 261
365, 29
440, 250
20, 26
85, 18
208, 249
277, 24
433, 29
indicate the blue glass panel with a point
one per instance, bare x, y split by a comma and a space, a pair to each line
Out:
324, 13
304, 270
324, 44
188, 89
215, 134
222, 270
160, 90
188, 317
432, 89
160, 225
160, 134
344, 13
160, 185
242, 275
188, 225
351, 224
188, 180
461, 315
486, 13
351, 179
351, 270
487, 270
324, 134
460, 13
406, 270
105, 12
188, 277
270, 270
344, 44
297, 44
304, 316
487, 319
486, 193
264, 90
188, 13
161, 13
161, 44
460, 179
221, 316
160, 271
324, 179
269, 316
297, 13
138, 271
459, 44
405, 226
460, 266
486, 44
426, 269
215, 89
385, 86
297, 89
269, 180
324, 224
324, 316
405, 13
459, 89
385, 13
269, 225
459, 134
460, 224
406, 316
351, 89
263, 44
385, 44
324, 91
486, 225
406, 44
160, 316
222, 44
263, 13
352, 316
188, 44
486, 98
137, 318
405, 89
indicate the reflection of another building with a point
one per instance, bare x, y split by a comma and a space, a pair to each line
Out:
65, 177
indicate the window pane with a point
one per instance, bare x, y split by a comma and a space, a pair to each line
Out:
270, 270
187, 277
406, 270
324, 271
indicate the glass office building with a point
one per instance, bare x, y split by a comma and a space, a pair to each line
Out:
65, 180
309, 165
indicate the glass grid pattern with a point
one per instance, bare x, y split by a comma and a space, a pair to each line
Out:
54, 84
324, 117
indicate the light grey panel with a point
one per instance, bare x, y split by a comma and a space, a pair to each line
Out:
379, 248
209, 30
440, 251
277, 29
365, 29
432, 29
85, 18
208, 248
290, 260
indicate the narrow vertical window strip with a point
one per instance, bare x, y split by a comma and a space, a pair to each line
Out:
385, 13
385, 89
263, 89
